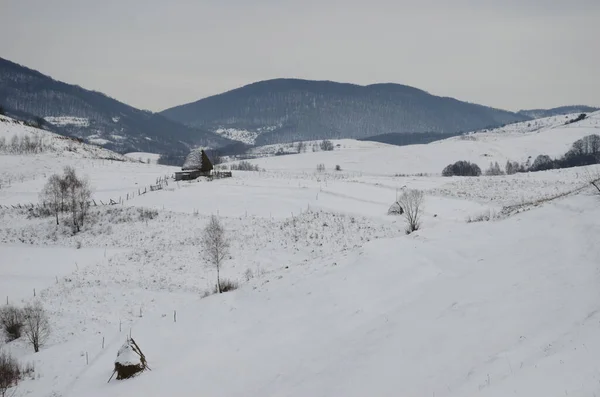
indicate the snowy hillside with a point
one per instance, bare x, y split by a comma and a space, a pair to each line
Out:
334, 298
516, 142
50, 142
149, 158
234, 134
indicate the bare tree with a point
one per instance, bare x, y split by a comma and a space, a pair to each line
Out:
53, 195
215, 245
78, 194
11, 321
411, 202
37, 325
84, 195
10, 373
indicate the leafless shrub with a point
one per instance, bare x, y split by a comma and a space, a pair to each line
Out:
37, 325
215, 245
411, 202
338, 168
244, 166
225, 285
147, 214
248, 274
594, 180
320, 167
11, 321
10, 373
485, 216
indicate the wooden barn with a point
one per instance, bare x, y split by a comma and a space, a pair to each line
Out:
196, 164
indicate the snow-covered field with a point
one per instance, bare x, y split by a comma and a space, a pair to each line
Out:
68, 120
516, 142
149, 158
334, 298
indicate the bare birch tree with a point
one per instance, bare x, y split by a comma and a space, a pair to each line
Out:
215, 246
37, 325
411, 202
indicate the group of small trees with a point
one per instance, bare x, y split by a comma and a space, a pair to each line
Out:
494, 170
584, 151
31, 321
244, 166
68, 193
462, 168
326, 145
26, 144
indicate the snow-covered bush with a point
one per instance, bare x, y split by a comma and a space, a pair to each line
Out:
11, 321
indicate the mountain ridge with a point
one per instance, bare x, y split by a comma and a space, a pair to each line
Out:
284, 110
117, 125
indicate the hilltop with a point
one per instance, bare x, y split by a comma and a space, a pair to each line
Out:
286, 110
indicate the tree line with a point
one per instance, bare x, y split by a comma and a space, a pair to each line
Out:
584, 151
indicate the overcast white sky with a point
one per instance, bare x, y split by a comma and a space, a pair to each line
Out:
155, 54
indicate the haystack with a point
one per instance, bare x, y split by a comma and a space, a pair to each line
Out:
130, 361
396, 209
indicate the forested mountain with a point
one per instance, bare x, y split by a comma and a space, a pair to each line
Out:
286, 110
559, 111
72, 110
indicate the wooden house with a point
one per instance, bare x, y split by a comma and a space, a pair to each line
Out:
196, 164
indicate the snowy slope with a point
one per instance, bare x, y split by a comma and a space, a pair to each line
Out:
143, 157
112, 175
334, 298
234, 134
54, 143
488, 309
515, 143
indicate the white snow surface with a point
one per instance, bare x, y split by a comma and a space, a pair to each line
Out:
150, 158
244, 136
515, 142
68, 120
334, 299
127, 356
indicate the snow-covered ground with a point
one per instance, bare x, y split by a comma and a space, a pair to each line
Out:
68, 120
334, 298
244, 136
149, 158
516, 142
